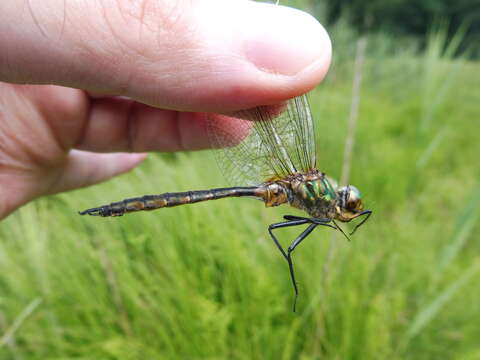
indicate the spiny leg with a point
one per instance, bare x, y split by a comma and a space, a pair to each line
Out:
337, 227
295, 243
366, 212
293, 217
296, 222
299, 239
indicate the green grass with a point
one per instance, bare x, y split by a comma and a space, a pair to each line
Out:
205, 281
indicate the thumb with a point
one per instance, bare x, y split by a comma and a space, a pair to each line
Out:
204, 55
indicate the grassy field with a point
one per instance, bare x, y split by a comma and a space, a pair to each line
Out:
205, 281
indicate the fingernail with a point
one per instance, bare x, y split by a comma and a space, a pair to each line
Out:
283, 40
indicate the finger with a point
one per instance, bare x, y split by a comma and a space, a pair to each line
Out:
116, 124
85, 168
209, 55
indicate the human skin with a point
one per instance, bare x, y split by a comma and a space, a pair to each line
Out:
87, 88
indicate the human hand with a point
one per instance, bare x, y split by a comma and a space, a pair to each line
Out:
145, 69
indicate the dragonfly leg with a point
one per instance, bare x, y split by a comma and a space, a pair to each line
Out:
303, 235
295, 243
366, 212
317, 221
296, 222
293, 217
337, 227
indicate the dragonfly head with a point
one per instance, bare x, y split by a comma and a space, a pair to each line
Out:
349, 203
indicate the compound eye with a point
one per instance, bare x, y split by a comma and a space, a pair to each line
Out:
354, 202
355, 205
353, 193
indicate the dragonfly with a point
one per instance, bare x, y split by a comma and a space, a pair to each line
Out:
271, 150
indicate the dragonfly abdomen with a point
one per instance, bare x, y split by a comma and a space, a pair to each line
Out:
152, 202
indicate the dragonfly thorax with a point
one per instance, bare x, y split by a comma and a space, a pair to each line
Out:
315, 194
312, 193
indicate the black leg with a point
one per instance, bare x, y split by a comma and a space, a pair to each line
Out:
295, 243
317, 221
366, 212
301, 237
293, 217
298, 221
295, 221
341, 230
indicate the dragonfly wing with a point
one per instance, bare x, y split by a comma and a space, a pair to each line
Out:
265, 142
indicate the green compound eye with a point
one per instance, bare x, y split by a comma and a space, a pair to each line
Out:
354, 193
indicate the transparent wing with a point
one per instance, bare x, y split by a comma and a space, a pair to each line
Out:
264, 143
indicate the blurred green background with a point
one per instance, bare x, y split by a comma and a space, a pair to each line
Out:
205, 281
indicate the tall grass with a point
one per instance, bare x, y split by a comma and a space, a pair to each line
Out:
205, 281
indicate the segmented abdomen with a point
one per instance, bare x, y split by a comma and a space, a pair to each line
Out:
152, 202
